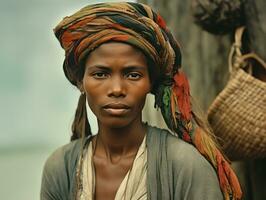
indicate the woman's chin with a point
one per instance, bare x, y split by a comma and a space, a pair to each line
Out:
116, 123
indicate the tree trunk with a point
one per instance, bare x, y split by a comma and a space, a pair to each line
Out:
256, 26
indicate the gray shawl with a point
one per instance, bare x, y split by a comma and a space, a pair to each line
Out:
176, 170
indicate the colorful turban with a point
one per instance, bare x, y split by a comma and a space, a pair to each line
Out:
138, 25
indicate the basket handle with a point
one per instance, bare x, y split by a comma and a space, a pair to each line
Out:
255, 57
236, 60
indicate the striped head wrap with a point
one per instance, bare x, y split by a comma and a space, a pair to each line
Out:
138, 25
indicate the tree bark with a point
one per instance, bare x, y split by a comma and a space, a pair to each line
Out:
256, 26
256, 16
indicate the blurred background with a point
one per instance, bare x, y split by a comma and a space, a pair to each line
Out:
37, 102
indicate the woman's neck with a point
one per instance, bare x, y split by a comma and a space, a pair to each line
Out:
117, 143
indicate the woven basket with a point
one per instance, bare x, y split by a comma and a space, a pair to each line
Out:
238, 114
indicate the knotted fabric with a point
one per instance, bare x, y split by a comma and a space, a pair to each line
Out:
138, 25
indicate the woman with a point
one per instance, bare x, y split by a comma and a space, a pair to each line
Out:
116, 53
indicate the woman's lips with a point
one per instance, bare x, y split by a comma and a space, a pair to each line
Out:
116, 109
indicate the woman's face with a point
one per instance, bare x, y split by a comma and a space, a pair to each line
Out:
116, 82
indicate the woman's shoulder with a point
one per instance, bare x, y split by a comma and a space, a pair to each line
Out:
63, 159
64, 153
193, 176
179, 151
173, 142
59, 170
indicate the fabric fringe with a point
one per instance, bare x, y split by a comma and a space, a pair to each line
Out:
80, 126
181, 123
182, 95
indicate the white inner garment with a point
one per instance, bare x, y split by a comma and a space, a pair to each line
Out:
133, 186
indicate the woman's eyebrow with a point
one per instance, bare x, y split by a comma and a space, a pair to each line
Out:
126, 68
101, 67
134, 68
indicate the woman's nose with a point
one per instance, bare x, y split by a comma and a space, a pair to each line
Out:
117, 87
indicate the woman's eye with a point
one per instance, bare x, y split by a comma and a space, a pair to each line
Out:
99, 75
133, 76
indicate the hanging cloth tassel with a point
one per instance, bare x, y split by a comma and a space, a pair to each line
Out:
228, 181
182, 94
80, 126
181, 117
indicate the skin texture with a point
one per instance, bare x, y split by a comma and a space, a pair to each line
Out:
116, 82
